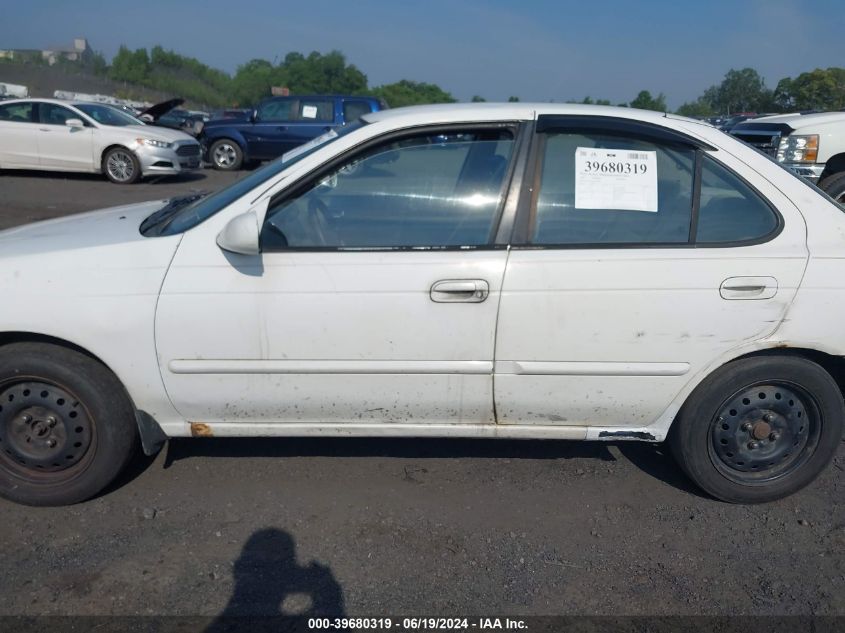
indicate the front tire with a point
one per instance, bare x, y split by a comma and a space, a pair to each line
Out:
67, 426
834, 186
226, 155
759, 429
121, 166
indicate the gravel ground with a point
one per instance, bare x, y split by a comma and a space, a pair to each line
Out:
377, 527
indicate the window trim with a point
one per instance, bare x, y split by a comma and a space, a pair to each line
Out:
309, 180
638, 130
779, 221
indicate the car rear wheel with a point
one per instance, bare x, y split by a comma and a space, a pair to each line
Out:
226, 155
834, 186
121, 166
759, 429
67, 426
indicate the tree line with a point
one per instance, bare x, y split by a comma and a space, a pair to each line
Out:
742, 90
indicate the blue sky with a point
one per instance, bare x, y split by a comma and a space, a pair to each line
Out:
536, 49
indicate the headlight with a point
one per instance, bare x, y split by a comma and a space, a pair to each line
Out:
153, 143
799, 149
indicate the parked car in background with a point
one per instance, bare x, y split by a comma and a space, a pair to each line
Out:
169, 114
278, 125
472, 270
54, 135
812, 145
728, 124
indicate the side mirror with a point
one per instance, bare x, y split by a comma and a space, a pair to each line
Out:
253, 116
240, 235
72, 123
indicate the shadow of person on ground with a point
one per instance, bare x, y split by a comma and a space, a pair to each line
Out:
272, 589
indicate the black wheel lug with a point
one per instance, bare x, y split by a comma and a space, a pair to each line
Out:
774, 435
51, 442
746, 426
51, 421
753, 445
27, 419
769, 417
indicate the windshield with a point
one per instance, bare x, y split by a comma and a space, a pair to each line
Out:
108, 115
188, 216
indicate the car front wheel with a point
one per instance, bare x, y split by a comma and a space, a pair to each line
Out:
67, 426
759, 429
226, 155
121, 166
834, 186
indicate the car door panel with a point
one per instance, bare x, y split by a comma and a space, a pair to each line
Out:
609, 336
18, 135
61, 146
305, 334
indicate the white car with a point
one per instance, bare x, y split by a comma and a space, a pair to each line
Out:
484, 270
56, 135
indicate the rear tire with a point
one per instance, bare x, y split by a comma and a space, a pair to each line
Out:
226, 155
759, 429
834, 186
121, 166
67, 425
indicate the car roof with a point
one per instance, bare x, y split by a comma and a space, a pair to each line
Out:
459, 112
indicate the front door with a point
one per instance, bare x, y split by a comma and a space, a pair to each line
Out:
61, 146
374, 299
613, 297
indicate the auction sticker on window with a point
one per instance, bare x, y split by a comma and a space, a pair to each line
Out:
621, 179
309, 112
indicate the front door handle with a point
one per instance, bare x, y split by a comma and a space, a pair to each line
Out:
748, 288
282, 128
460, 291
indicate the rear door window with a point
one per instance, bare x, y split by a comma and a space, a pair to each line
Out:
599, 188
730, 210
314, 110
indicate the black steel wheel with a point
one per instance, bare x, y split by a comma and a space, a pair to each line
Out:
760, 428
44, 429
765, 431
67, 426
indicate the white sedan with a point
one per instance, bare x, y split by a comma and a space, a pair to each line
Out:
484, 270
58, 135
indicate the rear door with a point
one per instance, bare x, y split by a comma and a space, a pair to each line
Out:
60, 146
313, 117
19, 135
639, 259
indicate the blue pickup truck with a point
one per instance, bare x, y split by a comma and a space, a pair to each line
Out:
278, 125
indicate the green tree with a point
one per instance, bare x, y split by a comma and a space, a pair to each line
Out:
743, 91
513, 99
819, 89
698, 108
477, 99
252, 82
406, 92
130, 66
320, 74
644, 101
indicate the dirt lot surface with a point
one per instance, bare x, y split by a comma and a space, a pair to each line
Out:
435, 527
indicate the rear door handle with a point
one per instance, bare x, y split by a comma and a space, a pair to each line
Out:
748, 288
282, 128
460, 291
